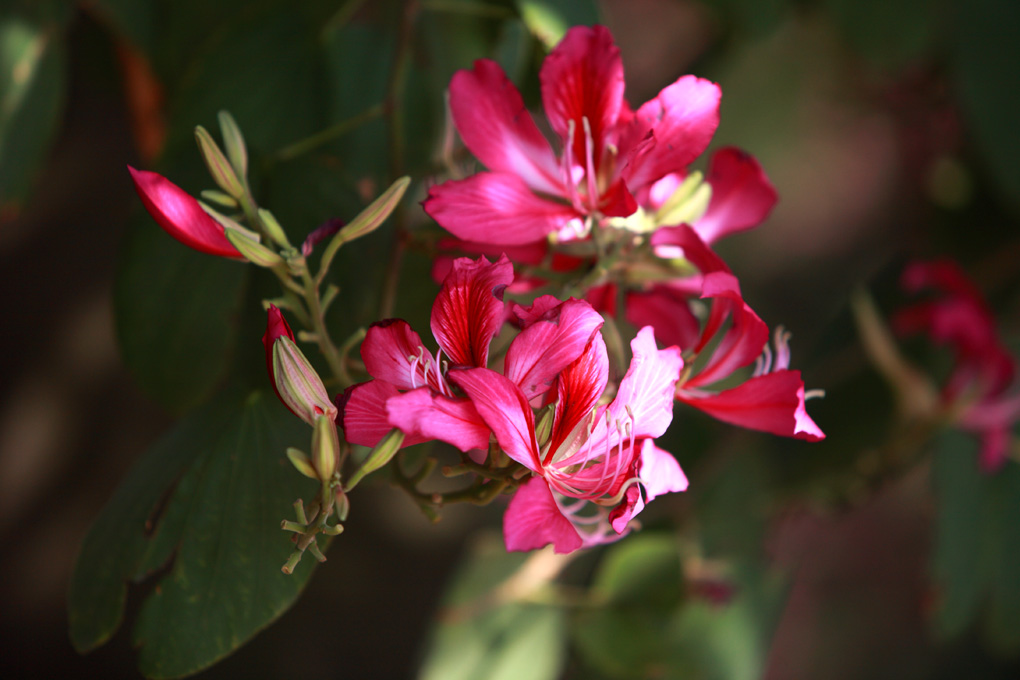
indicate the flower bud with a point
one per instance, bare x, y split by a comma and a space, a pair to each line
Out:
377, 457
300, 460
369, 219
325, 447
297, 383
273, 228
687, 204
181, 215
219, 166
253, 251
233, 140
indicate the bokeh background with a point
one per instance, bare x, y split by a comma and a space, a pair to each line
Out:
889, 129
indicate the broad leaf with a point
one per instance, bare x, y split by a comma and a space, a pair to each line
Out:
176, 315
32, 79
478, 638
230, 486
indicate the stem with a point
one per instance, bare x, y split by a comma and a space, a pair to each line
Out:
331, 133
324, 341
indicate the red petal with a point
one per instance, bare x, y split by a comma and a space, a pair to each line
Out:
578, 390
742, 195
490, 116
505, 410
468, 311
667, 310
583, 78
434, 416
389, 350
773, 402
276, 327
363, 413
495, 208
533, 520
180, 215
681, 120
550, 344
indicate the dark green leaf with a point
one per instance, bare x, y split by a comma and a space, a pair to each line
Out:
984, 61
226, 584
176, 315
642, 569
32, 83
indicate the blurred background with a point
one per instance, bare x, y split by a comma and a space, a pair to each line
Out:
888, 128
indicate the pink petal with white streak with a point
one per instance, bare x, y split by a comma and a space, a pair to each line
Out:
505, 409
435, 416
388, 350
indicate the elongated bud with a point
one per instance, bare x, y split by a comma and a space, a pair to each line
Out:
181, 215
273, 228
300, 460
369, 219
219, 166
297, 383
253, 251
276, 327
378, 457
325, 447
544, 427
233, 140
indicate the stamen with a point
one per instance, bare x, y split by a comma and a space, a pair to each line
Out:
414, 369
782, 342
814, 394
589, 152
763, 364
568, 169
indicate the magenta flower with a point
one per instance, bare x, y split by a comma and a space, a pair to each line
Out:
180, 215
731, 338
978, 387
610, 153
594, 461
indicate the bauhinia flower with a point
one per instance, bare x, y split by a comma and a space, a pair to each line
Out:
611, 158
730, 338
977, 392
181, 215
411, 390
591, 465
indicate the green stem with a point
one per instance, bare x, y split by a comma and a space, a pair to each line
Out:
331, 133
323, 338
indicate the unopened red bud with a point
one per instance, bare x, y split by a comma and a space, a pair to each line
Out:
298, 384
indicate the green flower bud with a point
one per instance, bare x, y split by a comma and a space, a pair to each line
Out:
219, 167
299, 386
325, 447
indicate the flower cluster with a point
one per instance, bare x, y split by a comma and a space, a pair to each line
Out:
617, 225
977, 392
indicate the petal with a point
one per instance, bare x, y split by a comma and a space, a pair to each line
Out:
468, 311
744, 339
505, 409
435, 416
646, 391
617, 201
363, 413
180, 215
629, 507
491, 119
660, 472
533, 520
547, 346
682, 241
578, 390
742, 195
583, 78
393, 352
495, 208
681, 120
773, 402
668, 311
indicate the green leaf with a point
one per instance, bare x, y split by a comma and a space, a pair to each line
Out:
32, 84
642, 569
977, 543
984, 58
888, 34
131, 19
477, 639
221, 523
176, 315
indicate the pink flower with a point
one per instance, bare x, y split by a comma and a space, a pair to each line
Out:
984, 371
180, 215
610, 153
592, 464
732, 337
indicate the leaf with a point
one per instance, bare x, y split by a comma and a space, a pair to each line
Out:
222, 523
476, 640
176, 315
642, 569
32, 84
888, 34
977, 544
983, 62
132, 19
